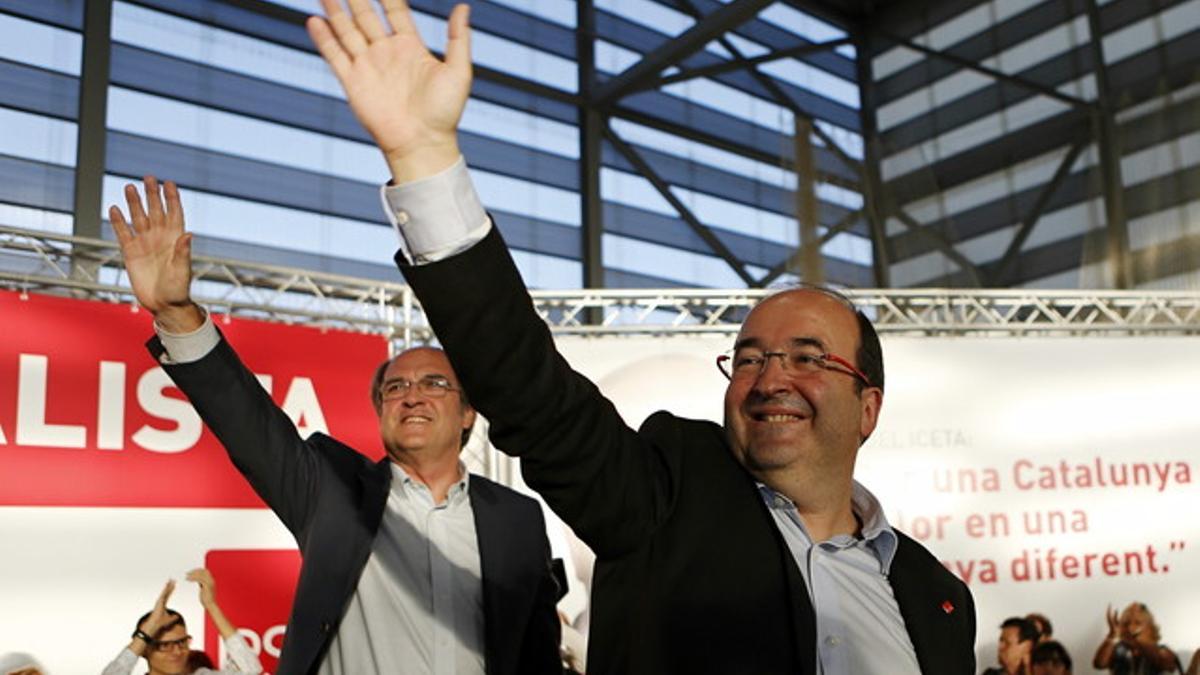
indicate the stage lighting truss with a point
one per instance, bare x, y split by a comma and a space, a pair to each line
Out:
33, 261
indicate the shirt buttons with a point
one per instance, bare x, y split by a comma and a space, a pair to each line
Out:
833, 641
401, 217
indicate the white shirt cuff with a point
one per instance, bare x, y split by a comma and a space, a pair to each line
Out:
438, 216
188, 347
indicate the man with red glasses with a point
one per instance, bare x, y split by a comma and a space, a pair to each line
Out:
748, 549
161, 636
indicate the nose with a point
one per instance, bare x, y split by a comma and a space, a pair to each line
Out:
773, 377
412, 397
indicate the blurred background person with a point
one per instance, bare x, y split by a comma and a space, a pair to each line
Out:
197, 659
1017, 637
1050, 658
1044, 628
1132, 646
20, 663
161, 637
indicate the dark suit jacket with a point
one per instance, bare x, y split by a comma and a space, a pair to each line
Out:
692, 575
332, 500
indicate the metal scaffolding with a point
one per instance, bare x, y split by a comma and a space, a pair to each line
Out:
41, 262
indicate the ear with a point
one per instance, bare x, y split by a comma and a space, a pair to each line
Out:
871, 402
468, 419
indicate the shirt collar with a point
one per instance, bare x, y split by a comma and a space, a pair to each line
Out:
458, 492
875, 530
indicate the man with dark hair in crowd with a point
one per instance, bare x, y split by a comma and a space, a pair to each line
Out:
748, 549
1050, 658
1017, 637
410, 564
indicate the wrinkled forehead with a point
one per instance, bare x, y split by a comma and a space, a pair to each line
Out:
420, 362
801, 313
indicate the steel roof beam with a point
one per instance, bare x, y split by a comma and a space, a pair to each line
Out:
676, 49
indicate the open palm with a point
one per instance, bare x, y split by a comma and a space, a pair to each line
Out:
408, 100
156, 249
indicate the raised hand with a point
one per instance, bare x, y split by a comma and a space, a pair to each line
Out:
208, 598
1114, 624
158, 253
158, 616
208, 585
408, 100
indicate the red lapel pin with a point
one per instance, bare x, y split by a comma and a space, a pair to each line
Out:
947, 607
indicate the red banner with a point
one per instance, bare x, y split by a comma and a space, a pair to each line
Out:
255, 590
88, 419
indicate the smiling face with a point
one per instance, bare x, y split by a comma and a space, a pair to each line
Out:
1137, 623
170, 655
415, 422
780, 419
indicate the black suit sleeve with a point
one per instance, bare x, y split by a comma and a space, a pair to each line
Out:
260, 439
610, 486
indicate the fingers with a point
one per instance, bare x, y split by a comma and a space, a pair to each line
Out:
458, 42
120, 227
367, 21
154, 206
329, 47
174, 205
201, 576
344, 29
165, 594
136, 213
399, 16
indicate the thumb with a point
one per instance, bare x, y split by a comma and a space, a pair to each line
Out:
183, 247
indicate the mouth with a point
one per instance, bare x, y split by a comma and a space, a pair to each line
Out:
777, 418
415, 419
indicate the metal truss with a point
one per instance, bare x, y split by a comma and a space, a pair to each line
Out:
91, 268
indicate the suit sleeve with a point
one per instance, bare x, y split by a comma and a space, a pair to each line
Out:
611, 486
261, 440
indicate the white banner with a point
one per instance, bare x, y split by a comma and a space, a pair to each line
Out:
1054, 475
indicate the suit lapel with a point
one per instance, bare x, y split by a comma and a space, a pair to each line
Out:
373, 495
923, 612
803, 616
489, 533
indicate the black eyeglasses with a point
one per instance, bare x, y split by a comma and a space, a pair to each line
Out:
433, 386
182, 643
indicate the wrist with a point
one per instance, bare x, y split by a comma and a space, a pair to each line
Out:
180, 318
428, 160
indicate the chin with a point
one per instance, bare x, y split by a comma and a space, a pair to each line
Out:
769, 456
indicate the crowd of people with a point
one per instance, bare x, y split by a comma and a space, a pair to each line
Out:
1132, 646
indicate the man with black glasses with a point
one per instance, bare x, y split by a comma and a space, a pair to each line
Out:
410, 565
748, 549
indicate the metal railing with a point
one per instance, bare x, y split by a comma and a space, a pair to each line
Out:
41, 262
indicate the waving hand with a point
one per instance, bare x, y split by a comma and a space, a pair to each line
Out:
409, 100
158, 254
